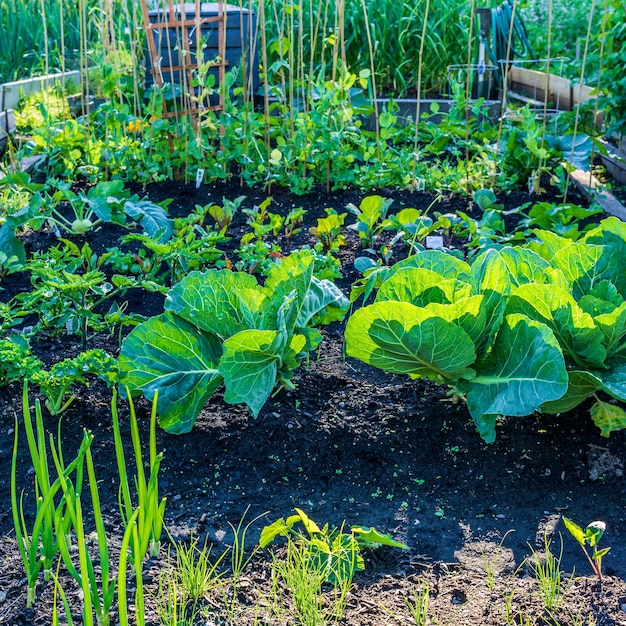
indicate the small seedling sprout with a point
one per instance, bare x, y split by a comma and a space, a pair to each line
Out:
589, 536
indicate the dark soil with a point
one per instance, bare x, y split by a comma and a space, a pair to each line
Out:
353, 443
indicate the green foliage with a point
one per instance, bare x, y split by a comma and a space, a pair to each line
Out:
222, 326
370, 215
334, 554
590, 536
149, 511
68, 289
518, 330
328, 230
613, 79
17, 363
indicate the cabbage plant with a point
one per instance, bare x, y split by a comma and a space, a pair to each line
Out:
519, 330
223, 327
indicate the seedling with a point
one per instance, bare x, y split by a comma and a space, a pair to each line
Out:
331, 551
589, 536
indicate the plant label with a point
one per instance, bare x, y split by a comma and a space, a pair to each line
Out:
420, 184
199, 177
434, 241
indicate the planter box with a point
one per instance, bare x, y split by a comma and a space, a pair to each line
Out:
615, 161
10, 93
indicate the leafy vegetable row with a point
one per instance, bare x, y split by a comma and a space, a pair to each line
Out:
222, 326
539, 327
521, 329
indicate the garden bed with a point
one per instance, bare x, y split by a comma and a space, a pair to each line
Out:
351, 443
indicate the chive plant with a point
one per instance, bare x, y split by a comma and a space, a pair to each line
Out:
151, 509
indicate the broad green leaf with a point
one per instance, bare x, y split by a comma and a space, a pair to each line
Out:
401, 338
549, 244
575, 330
526, 266
295, 272
311, 527
608, 417
269, 533
369, 536
172, 356
486, 426
323, 303
406, 217
218, 301
575, 530
614, 381
469, 314
490, 277
250, 366
446, 265
152, 217
613, 327
525, 369
420, 286
584, 266
611, 234
581, 385
594, 532
9, 243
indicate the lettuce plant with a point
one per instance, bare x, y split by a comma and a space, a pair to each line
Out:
525, 329
222, 326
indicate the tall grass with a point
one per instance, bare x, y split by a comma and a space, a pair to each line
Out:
54, 35
316, 34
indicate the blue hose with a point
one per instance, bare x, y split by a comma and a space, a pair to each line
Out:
501, 18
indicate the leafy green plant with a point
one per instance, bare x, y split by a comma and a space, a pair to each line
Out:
18, 363
329, 551
39, 547
223, 215
518, 330
547, 570
69, 288
371, 215
192, 248
591, 537
222, 326
328, 230
562, 219
148, 523
614, 90
293, 221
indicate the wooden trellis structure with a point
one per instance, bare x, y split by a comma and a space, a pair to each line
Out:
183, 60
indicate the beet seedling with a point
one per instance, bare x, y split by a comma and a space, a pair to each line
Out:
591, 536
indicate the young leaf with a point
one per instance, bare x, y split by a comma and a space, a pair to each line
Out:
218, 301
608, 417
269, 533
575, 530
575, 330
420, 286
152, 217
371, 537
593, 533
